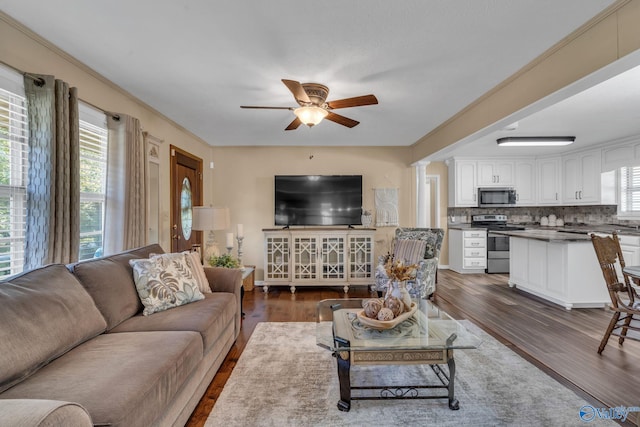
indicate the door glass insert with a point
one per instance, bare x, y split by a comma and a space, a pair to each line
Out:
186, 208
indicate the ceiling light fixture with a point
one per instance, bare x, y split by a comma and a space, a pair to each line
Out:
535, 141
310, 115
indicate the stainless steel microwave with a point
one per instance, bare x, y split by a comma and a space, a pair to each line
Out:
489, 197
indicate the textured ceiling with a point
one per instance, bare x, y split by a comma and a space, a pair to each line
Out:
197, 61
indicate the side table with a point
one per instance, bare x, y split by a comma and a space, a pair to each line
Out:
248, 282
248, 277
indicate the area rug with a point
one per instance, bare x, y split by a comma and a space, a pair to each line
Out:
284, 379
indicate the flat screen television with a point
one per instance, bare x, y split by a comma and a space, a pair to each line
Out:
318, 199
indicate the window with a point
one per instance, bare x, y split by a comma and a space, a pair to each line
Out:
630, 190
14, 152
93, 173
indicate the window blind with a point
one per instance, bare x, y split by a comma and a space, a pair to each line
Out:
93, 173
14, 151
630, 189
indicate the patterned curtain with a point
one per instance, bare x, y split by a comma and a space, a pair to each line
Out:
53, 190
126, 204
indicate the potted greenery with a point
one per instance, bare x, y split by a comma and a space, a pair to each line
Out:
224, 260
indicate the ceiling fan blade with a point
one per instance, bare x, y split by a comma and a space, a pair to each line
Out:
294, 124
297, 90
353, 102
266, 108
342, 120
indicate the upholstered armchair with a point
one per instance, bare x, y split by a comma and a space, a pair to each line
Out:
419, 246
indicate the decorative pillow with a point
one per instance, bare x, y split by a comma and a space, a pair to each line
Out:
409, 251
193, 261
198, 271
164, 282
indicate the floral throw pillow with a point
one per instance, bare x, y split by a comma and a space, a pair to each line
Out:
194, 264
163, 283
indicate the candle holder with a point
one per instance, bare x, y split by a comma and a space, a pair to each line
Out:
229, 249
240, 239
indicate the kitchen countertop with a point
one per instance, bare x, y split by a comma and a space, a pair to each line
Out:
596, 228
585, 229
545, 235
463, 226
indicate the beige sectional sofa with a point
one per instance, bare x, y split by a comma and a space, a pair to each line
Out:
76, 350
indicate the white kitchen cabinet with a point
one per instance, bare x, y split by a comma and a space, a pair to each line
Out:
525, 182
565, 273
518, 266
498, 173
462, 183
468, 250
319, 257
549, 181
581, 178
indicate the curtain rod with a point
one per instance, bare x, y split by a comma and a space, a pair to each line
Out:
39, 81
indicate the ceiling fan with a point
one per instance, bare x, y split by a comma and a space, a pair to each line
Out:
312, 98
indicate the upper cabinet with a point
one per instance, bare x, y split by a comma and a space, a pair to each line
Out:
495, 173
549, 181
573, 179
525, 182
462, 183
581, 178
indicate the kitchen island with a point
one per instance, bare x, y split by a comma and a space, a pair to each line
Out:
557, 266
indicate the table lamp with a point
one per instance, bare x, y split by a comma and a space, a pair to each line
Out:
206, 218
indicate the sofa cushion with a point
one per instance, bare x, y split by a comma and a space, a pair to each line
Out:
209, 317
125, 379
109, 281
43, 314
165, 282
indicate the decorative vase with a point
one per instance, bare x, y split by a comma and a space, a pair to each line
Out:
398, 289
366, 220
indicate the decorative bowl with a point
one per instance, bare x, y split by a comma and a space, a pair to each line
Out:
382, 325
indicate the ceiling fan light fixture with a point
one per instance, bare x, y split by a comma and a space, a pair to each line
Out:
310, 115
535, 141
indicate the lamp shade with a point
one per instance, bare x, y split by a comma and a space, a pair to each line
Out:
210, 218
310, 116
535, 141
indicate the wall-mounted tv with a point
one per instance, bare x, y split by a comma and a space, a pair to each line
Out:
318, 199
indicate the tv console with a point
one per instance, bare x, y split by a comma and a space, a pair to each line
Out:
318, 256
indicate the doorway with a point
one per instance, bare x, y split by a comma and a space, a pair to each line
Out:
186, 192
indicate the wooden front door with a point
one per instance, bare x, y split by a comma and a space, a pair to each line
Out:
186, 192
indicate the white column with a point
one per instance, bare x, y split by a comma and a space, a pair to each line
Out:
422, 195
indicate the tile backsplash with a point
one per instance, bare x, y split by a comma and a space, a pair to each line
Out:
596, 214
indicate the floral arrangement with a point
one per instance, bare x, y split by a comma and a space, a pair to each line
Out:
398, 271
225, 260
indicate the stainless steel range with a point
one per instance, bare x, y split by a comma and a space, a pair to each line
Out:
497, 245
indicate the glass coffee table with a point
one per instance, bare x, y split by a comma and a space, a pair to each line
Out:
428, 337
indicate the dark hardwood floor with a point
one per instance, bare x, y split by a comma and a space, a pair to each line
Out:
560, 342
